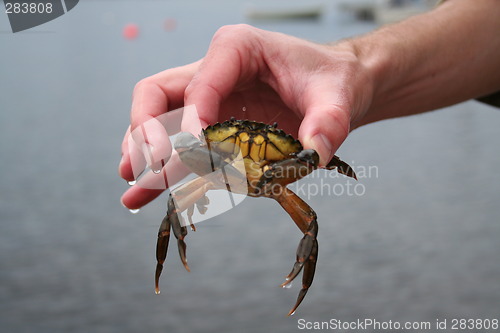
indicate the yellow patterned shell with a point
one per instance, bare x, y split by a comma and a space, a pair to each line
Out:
261, 143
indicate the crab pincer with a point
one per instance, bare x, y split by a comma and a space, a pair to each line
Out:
171, 221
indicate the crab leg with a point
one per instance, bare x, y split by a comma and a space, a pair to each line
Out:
161, 248
179, 200
341, 166
307, 251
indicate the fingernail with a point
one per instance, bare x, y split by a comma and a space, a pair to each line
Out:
323, 147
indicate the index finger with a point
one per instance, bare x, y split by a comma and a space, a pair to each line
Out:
152, 97
160, 93
232, 58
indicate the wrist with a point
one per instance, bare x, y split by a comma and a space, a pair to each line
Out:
370, 66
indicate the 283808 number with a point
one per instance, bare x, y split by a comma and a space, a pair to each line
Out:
28, 8
474, 324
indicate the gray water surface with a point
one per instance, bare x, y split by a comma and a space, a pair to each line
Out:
421, 243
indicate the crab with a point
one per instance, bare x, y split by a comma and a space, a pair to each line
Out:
272, 159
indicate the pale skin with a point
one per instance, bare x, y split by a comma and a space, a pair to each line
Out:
319, 93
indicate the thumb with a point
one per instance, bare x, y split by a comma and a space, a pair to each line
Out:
324, 127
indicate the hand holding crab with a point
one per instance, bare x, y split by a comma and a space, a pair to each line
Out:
312, 90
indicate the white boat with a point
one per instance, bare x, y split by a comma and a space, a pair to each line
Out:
287, 13
386, 11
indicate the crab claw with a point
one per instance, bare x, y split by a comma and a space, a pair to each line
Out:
308, 276
190, 212
297, 267
307, 251
170, 221
161, 249
180, 232
342, 167
307, 254
182, 253
201, 205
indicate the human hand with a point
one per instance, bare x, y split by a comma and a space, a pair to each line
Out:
313, 91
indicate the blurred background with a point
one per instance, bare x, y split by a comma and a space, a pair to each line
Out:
420, 243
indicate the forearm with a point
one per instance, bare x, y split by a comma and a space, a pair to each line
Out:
443, 57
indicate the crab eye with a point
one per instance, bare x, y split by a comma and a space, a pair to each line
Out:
308, 156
